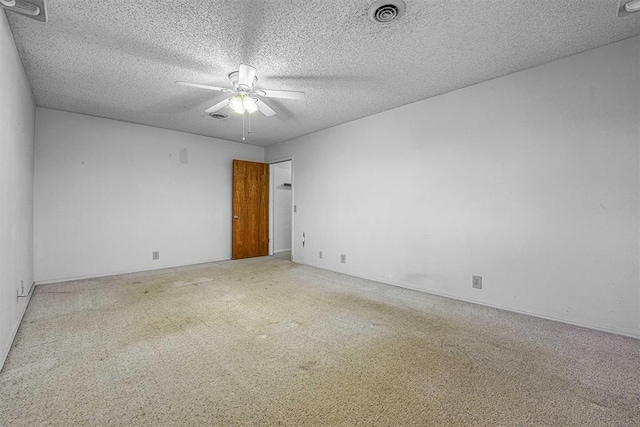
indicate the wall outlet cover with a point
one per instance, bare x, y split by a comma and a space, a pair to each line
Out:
155, 255
343, 258
476, 282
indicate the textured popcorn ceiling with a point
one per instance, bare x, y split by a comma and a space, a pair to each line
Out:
119, 59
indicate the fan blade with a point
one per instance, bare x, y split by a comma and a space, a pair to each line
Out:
265, 109
285, 94
220, 105
219, 89
246, 74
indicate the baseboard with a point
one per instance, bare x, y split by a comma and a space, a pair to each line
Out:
282, 250
14, 332
615, 331
117, 273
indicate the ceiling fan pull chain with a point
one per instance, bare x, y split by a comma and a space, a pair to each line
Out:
243, 114
249, 124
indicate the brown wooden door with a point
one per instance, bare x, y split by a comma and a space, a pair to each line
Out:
250, 206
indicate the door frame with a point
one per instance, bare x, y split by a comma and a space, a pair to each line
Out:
271, 206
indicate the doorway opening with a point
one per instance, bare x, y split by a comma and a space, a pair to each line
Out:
281, 174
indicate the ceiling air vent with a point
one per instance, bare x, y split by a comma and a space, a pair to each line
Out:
34, 9
218, 116
384, 11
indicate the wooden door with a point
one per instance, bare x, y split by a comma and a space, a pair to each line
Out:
250, 207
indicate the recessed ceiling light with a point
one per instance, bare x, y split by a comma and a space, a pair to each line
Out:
384, 11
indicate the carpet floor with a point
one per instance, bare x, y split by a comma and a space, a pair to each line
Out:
267, 342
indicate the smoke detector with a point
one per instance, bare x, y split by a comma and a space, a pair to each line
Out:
384, 11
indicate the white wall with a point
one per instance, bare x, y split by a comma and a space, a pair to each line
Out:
109, 193
281, 206
17, 115
530, 180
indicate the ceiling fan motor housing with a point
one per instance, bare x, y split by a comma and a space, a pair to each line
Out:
234, 76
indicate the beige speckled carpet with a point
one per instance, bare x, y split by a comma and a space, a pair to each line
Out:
269, 342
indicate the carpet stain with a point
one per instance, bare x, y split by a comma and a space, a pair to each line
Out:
312, 364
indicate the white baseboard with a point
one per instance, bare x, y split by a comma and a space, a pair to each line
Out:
117, 273
615, 331
16, 326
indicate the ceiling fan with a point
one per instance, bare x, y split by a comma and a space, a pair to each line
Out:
245, 97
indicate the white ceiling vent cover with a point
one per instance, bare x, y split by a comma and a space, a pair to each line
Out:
384, 11
34, 9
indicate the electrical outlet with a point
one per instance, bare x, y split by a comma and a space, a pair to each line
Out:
343, 258
155, 255
476, 282
320, 255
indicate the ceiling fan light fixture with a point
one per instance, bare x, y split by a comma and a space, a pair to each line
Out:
236, 103
250, 104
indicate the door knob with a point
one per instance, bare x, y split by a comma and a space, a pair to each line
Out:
236, 217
